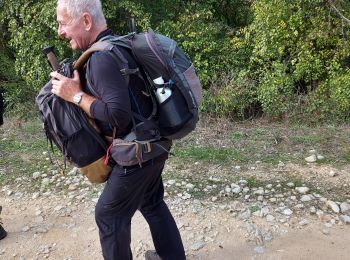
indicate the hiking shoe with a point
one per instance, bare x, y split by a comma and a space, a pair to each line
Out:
3, 233
152, 255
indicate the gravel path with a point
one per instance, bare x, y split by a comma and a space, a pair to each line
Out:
278, 221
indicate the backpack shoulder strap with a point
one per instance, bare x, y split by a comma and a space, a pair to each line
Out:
111, 43
97, 46
115, 54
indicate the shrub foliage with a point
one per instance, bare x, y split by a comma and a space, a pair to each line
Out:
282, 59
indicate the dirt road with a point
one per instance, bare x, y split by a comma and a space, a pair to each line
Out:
53, 227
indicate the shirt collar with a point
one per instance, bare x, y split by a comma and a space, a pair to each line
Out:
104, 33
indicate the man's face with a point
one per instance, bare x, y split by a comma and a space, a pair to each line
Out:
72, 28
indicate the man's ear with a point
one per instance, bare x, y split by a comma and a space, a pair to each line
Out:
87, 19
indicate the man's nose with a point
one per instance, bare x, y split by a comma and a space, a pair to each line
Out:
60, 31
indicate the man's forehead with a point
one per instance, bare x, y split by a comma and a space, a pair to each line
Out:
62, 13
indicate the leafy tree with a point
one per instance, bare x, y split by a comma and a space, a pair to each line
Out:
296, 51
281, 58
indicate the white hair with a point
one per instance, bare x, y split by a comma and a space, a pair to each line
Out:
77, 7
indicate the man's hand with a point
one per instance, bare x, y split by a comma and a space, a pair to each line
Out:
65, 87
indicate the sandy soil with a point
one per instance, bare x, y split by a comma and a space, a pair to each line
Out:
57, 228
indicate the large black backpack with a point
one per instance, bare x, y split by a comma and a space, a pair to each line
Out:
69, 128
169, 74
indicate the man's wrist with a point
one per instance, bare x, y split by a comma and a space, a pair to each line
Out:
77, 98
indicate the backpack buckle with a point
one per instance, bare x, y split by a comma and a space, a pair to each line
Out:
127, 71
147, 147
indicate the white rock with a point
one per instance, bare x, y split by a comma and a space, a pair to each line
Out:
345, 219
293, 198
197, 246
328, 225
39, 219
171, 182
259, 249
25, 229
306, 198
303, 222
259, 192
45, 181
36, 175
273, 199
72, 187
234, 185
280, 164
290, 184
311, 159
236, 190
214, 179
245, 215
313, 210
213, 199
186, 196
73, 171
58, 208
41, 230
35, 195
189, 186
299, 206
334, 206
265, 211
320, 157
270, 218
345, 207
269, 186
332, 174
325, 231
287, 212
257, 213
246, 190
243, 183
302, 190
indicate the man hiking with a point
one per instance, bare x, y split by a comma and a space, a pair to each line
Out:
128, 188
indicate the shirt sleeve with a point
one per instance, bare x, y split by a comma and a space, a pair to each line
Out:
113, 103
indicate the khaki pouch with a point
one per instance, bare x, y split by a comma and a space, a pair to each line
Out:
96, 172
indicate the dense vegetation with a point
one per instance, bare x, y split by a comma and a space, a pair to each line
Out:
281, 59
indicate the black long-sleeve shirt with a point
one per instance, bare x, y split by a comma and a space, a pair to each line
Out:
113, 108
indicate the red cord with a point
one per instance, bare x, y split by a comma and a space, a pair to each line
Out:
107, 155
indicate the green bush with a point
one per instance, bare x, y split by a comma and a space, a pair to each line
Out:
285, 59
294, 51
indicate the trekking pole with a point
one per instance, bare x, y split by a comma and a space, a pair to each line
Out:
51, 57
